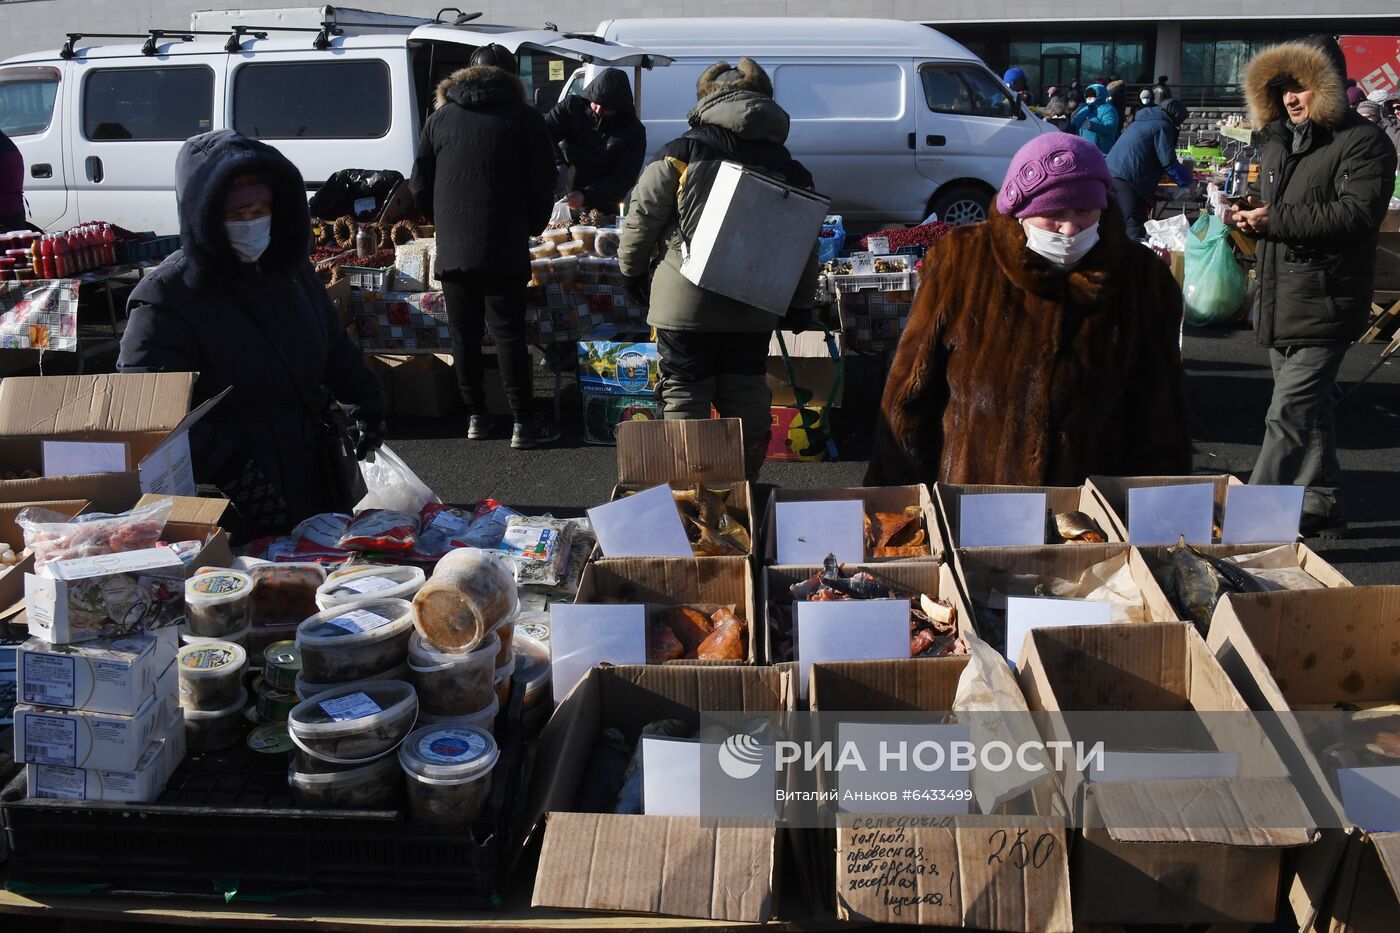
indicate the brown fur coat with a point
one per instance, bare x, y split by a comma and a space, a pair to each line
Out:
1011, 372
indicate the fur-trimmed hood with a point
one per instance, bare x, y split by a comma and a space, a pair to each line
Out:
479, 86
204, 172
722, 76
1306, 62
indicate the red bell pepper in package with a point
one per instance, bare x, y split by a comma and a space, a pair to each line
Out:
382, 530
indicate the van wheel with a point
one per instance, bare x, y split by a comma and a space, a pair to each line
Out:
960, 204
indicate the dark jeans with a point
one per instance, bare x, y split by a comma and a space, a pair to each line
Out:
729, 371
1300, 440
474, 300
1136, 211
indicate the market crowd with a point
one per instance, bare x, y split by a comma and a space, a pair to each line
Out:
999, 378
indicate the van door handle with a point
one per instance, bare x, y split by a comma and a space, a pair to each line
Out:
911, 141
41, 170
936, 140
94, 169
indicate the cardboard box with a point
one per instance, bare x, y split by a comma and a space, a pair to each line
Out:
799, 434
194, 518
983, 572
1308, 560
110, 675
603, 413
816, 369
1131, 863
77, 601
876, 499
148, 413
1311, 650
973, 890
676, 866
86, 739
681, 454
1112, 493
383, 365
425, 386
1057, 499
676, 581
340, 295
618, 367
142, 784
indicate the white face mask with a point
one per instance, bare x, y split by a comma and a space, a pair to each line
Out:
1058, 249
249, 238
1145, 98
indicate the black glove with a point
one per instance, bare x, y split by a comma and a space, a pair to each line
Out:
796, 320
258, 502
637, 290
368, 435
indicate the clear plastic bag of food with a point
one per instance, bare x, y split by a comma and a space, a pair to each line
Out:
488, 525
54, 536
441, 528
539, 546
381, 530
392, 484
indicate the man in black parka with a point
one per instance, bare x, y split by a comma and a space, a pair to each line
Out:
485, 176
601, 140
240, 304
1325, 177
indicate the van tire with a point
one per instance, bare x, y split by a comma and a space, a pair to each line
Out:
960, 204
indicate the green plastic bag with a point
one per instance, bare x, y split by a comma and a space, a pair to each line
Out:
1214, 283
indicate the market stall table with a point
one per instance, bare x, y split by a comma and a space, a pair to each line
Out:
42, 314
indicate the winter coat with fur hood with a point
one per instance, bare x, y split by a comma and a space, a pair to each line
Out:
1013, 372
204, 311
606, 153
1316, 260
484, 173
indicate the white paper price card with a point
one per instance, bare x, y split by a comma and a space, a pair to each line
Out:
1163, 514
1024, 613
808, 531
1372, 797
907, 768
683, 777
581, 636
76, 458
849, 630
1003, 519
1119, 767
646, 524
879, 245
1262, 514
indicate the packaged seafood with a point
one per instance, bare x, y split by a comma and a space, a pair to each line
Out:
354, 723
506, 634
453, 684
448, 772
382, 530
471, 593
488, 525
502, 679
103, 597
539, 270
351, 643
53, 536
565, 269
214, 730
109, 675
442, 528
356, 584
269, 747
532, 667
305, 689
237, 638
273, 703
368, 786
211, 675
539, 546
218, 602
484, 718
536, 628
285, 594
282, 664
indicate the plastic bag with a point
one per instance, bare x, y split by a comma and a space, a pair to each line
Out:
55, 536
832, 239
561, 216
489, 525
392, 485
1214, 282
539, 546
441, 528
1169, 232
380, 530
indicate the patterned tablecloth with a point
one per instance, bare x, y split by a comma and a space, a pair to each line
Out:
39, 315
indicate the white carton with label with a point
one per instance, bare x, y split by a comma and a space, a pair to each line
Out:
110, 675
102, 597
85, 739
142, 784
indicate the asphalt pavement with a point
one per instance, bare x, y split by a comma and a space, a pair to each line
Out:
1229, 383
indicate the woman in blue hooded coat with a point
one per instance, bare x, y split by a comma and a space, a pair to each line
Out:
240, 305
1097, 120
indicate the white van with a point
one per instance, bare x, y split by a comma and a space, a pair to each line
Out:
100, 125
893, 119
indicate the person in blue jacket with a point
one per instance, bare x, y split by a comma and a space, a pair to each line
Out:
1097, 120
1147, 149
1015, 78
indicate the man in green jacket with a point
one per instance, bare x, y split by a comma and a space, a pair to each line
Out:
714, 350
1324, 183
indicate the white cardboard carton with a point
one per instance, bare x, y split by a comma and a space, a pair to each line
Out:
110, 675
99, 597
83, 739
143, 784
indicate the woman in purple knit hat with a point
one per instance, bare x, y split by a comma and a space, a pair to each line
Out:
1042, 346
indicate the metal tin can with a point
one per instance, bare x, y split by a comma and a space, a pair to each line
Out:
281, 664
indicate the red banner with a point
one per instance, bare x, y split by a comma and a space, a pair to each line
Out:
1374, 61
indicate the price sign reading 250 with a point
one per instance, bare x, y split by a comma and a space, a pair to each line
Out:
1017, 852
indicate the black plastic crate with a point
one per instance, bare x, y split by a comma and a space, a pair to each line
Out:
221, 828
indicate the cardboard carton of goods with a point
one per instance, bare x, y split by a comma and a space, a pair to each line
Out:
899, 523
100, 597
680, 866
109, 675
1006, 870
1332, 656
1073, 515
1188, 812
1111, 493
142, 784
85, 739
196, 519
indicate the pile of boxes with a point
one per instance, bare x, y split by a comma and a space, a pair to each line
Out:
618, 379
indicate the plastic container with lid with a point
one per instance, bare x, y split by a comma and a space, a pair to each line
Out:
269, 747
306, 690
367, 786
471, 593
241, 639
212, 730
546, 250
354, 722
273, 703
584, 234
502, 681
282, 664
572, 248
532, 668
539, 271
556, 235
482, 719
211, 674
218, 603
356, 586
506, 633
285, 594
452, 684
565, 268
354, 642
448, 773
535, 626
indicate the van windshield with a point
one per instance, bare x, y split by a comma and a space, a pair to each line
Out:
27, 97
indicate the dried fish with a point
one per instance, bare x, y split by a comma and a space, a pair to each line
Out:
896, 534
708, 542
1198, 586
1076, 526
